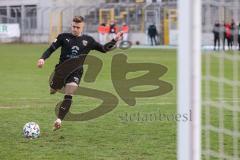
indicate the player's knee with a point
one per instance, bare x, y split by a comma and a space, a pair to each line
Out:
70, 88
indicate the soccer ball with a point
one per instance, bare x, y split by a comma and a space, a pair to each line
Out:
31, 130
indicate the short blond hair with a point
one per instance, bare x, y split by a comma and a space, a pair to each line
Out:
78, 19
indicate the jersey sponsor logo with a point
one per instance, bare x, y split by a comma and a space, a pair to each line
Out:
84, 42
75, 50
74, 54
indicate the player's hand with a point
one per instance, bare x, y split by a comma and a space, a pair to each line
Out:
119, 36
40, 63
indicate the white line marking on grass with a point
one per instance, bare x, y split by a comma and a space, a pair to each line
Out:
20, 107
82, 105
25, 98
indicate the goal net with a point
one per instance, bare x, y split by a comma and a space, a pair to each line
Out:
221, 82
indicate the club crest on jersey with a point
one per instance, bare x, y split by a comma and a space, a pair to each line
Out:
84, 42
76, 79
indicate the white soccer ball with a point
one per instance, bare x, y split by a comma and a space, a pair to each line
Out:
31, 130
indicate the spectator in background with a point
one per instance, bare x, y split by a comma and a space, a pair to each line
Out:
152, 33
223, 30
113, 30
216, 33
125, 30
102, 33
232, 29
228, 34
107, 30
239, 36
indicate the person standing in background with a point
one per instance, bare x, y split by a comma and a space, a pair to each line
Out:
216, 33
102, 33
152, 33
125, 30
239, 36
232, 31
228, 35
223, 31
113, 30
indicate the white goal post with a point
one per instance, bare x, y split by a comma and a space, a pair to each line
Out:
189, 79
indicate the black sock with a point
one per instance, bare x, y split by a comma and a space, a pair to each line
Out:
65, 106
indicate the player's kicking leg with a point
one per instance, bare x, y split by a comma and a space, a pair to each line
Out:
70, 88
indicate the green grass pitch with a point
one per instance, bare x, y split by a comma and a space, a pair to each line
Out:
24, 97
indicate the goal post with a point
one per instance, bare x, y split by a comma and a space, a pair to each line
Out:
189, 79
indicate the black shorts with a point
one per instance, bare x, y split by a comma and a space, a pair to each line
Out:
74, 77
58, 81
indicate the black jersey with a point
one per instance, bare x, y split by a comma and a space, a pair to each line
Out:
74, 47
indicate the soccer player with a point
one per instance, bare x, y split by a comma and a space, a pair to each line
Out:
73, 45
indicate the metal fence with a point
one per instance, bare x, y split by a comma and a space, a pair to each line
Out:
44, 21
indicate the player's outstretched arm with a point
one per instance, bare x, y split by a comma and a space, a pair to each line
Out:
108, 46
119, 36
